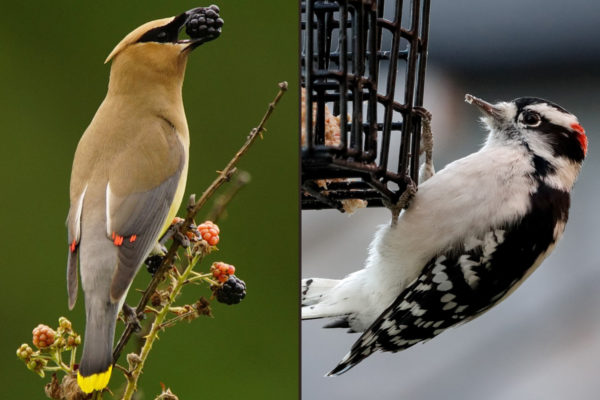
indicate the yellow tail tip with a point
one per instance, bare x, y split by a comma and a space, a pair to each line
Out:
95, 381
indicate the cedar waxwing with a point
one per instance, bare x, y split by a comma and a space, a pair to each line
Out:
129, 175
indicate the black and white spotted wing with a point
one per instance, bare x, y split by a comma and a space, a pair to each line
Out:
463, 282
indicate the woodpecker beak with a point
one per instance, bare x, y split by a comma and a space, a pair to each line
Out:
484, 106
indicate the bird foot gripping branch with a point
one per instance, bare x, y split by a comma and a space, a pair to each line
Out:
130, 317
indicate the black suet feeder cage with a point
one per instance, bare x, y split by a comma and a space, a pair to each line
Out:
353, 60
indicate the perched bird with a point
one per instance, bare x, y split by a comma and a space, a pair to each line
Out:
129, 175
471, 235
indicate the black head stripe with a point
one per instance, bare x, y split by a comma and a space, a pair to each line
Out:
523, 102
542, 166
167, 33
564, 141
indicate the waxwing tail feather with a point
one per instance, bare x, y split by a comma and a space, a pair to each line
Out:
96, 361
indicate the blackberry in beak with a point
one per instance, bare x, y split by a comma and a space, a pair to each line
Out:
203, 25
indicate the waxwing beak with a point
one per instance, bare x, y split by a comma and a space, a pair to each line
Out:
202, 24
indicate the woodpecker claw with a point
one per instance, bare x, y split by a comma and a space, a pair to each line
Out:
427, 169
407, 196
423, 113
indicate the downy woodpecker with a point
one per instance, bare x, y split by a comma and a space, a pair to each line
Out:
471, 235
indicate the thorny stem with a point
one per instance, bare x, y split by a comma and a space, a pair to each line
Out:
60, 363
57, 368
122, 369
201, 278
157, 325
55, 357
193, 209
173, 320
152, 310
201, 275
230, 168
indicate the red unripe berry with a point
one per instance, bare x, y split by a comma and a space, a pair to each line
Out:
209, 232
221, 271
43, 336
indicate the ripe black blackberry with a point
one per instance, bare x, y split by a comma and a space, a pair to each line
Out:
232, 291
205, 23
153, 263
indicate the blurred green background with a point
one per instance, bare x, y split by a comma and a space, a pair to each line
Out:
53, 80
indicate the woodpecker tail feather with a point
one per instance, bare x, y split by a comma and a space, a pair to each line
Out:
319, 301
314, 289
366, 345
96, 362
349, 361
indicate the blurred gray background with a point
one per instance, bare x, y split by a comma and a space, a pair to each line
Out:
544, 340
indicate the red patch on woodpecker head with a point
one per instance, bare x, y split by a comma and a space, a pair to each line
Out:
581, 137
578, 128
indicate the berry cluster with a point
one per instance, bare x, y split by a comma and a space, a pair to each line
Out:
24, 352
209, 231
222, 271
232, 291
205, 23
153, 263
43, 336
37, 365
65, 325
49, 341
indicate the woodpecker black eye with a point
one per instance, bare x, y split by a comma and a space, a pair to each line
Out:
532, 118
